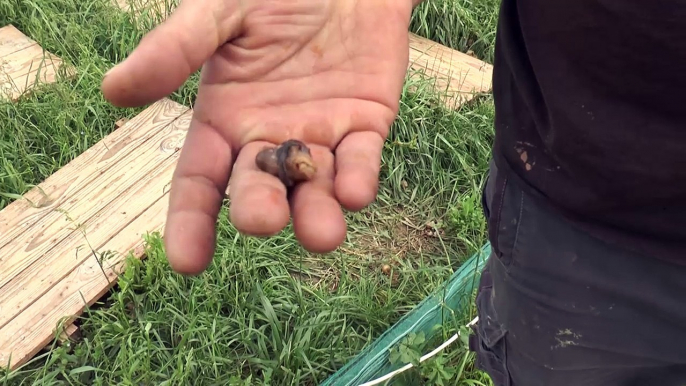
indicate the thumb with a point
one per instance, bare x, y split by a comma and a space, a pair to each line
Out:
171, 52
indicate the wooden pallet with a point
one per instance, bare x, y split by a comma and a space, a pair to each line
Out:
24, 65
105, 199
456, 76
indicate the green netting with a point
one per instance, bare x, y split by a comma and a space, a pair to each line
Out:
454, 294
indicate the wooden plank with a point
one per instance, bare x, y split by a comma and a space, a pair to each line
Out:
69, 334
68, 232
66, 272
52, 258
29, 59
24, 65
455, 75
31, 330
120, 122
39, 206
12, 40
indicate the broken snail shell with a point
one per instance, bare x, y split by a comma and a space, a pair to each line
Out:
291, 162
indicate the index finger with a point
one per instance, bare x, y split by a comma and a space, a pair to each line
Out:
196, 195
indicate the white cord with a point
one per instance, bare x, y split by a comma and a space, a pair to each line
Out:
422, 359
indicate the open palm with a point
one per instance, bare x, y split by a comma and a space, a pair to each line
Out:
326, 72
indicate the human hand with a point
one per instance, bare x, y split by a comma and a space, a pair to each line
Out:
326, 72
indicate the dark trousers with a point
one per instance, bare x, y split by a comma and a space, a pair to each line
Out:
558, 307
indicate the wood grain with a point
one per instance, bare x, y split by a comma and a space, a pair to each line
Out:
66, 272
29, 59
13, 87
34, 328
97, 211
458, 77
39, 206
13, 40
24, 65
121, 122
69, 333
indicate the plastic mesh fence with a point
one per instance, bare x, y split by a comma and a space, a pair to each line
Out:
455, 294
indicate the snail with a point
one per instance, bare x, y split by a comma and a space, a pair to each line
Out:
291, 162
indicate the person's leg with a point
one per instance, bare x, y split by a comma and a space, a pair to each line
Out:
557, 307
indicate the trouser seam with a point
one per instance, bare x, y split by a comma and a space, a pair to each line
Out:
519, 227
500, 211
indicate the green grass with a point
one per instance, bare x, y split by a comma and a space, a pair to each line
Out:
460, 24
265, 308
